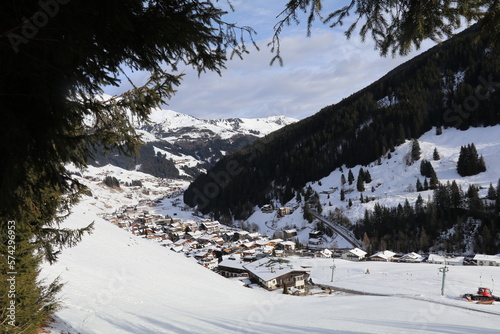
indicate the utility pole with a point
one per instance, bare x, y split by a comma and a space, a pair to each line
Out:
443, 270
333, 269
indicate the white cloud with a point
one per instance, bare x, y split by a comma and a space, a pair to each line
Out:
318, 71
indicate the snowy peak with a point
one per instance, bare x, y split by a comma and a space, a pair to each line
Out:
173, 126
181, 146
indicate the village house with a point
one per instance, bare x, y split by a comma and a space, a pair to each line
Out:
487, 260
412, 258
385, 256
254, 236
207, 258
354, 254
315, 243
286, 246
232, 267
272, 274
289, 234
267, 208
324, 253
228, 236
283, 211
441, 259
240, 235
211, 227
263, 242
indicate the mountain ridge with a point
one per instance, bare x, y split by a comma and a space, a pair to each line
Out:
360, 129
181, 146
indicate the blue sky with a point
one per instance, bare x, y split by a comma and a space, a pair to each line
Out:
318, 71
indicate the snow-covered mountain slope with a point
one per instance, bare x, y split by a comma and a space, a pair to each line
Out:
116, 282
179, 145
393, 181
168, 124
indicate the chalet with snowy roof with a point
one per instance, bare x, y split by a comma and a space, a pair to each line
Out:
254, 236
249, 255
263, 242
209, 262
487, 260
324, 253
315, 234
441, 259
228, 236
191, 227
412, 258
274, 273
240, 235
232, 267
207, 238
279, 253
268, 250
283, 211
193, 235
315, 243
385, 256
288, 234
267, 208
286, 245
354, 254
274, 242
212, 227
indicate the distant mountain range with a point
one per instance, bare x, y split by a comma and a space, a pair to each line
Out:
182, 146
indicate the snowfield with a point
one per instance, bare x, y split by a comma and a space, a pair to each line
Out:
120, 283
116, 282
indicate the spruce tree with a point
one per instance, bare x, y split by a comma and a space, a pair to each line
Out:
367, 177
497, 201
360, 183
397, 33
426, 184
342, 179
350, 177
457, 196
481, 165
469, 163
51, 98
492, 194
435, 154
433, 182
419, 185
415, 150
474, 202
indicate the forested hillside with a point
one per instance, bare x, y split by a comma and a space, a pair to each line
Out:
451, 85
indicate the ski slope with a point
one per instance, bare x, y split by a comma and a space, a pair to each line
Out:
116, 282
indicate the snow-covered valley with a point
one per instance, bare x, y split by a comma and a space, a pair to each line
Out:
120, 283
117, 282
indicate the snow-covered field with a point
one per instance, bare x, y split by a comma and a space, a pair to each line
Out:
120, 283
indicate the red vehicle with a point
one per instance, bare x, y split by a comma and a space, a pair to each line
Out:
483, 294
